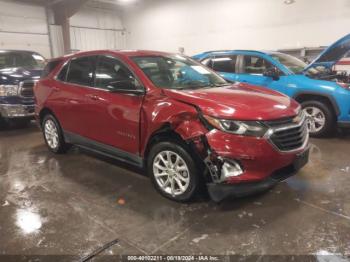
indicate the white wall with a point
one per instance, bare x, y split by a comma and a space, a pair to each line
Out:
107, 34
24, 27
200, 25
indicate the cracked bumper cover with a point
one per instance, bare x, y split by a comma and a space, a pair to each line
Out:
16, 111
264, 166
219, 192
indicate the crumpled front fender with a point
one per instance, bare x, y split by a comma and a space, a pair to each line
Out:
182, 118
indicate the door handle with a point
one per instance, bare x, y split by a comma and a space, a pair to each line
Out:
92, 97
55, 89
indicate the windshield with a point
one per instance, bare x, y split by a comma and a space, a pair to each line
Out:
27, 60
293, 64
177, 72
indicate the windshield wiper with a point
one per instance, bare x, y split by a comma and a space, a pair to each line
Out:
223, 84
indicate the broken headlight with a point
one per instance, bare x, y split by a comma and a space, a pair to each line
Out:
8, 90
246, 128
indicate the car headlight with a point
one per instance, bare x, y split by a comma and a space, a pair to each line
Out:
8, 90
246, 128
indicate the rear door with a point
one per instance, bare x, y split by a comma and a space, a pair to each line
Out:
116, 114
75, 87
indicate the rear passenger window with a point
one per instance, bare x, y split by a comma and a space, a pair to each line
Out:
50, 66
226, 64
81, 71
255, 65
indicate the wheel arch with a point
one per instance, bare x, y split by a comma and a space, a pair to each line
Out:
44, 112
165, 132
307, 96
168, 133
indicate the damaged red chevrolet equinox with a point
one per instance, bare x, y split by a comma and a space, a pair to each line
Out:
174, 117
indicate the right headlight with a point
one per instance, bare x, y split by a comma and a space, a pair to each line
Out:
8, 90
246, 128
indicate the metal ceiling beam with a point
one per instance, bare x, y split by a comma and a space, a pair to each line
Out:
63, 10
66, 8
53, 2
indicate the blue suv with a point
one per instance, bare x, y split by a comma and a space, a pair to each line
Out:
323, 93
19, 70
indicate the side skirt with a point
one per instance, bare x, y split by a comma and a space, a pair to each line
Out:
103, 149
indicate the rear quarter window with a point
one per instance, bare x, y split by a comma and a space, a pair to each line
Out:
50, 66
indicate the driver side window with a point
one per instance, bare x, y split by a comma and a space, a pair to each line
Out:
111, 74
255, 65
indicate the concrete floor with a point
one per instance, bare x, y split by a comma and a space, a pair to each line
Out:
72, 204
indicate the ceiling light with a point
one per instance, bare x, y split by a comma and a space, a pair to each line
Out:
125, 2
289, 2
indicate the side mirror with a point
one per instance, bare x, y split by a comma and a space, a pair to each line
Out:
126, 87
273, 73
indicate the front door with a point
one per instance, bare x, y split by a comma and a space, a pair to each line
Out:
252, 69
116, 114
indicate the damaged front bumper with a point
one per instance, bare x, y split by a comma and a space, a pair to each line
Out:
252, 164
221, 191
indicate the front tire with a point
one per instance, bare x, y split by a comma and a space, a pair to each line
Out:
53, 135
320, 118
173, 171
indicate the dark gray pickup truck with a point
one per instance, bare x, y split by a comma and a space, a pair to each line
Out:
19, 70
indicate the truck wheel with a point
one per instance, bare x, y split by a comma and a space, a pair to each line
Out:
320, 118
53, 135
173, 171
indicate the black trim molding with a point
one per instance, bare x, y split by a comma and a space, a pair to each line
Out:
103, 149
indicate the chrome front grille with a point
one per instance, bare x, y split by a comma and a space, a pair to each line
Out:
291, 135
26, 89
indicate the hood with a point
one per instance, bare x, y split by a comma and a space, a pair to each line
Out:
238, 101
332, 54
15, 75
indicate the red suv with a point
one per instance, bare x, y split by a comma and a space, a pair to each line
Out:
181, 121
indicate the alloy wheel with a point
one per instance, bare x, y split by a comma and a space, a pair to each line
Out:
315, 118
51, 134
171, 173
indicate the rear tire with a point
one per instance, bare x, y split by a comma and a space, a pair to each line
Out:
53, 135
177, 179
321, 119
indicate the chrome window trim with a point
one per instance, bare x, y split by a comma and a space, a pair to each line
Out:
94, 87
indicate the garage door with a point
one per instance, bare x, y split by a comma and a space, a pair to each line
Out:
24, 27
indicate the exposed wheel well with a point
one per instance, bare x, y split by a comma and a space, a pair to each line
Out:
168, 134
163, 134
308, 97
